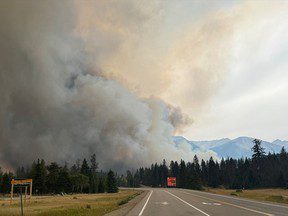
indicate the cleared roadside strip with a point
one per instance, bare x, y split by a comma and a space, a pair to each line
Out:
223, 202
187, 203
142, 210
242, 199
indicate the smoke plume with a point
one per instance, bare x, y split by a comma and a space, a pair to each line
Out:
76, 79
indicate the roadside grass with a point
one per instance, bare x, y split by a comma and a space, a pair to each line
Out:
124, 201
70, 205
271, 195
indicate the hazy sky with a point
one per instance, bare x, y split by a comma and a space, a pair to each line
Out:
253, 98
223, 63
120, 78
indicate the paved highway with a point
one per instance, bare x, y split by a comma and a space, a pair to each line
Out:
181, 202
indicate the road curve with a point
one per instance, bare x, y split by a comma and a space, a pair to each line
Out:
182, 202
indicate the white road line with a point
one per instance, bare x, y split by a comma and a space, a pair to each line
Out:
187, 203
223, 202
241, 199
145, 204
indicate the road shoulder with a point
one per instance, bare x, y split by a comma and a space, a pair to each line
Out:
126, 208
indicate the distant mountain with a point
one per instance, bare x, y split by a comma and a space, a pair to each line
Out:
212, 143
236, 148
281, 143
241, 147
179, 139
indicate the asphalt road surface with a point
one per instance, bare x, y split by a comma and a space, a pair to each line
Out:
178, 202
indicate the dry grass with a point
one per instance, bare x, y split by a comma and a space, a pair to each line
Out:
272, 195
79, 204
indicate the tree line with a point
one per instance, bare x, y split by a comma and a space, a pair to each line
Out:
261, 171
54, 179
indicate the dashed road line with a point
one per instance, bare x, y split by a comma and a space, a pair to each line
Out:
223, 202
242, 199
187, 203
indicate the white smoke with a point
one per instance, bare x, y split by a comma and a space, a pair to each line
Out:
59, 103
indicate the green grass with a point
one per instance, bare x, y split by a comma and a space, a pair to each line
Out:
124, 201
279, 199
79, 211
271, 195
234, 194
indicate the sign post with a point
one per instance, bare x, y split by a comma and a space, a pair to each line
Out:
21, 202
21, 183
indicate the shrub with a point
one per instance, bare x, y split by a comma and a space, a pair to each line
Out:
275, 198
234, 194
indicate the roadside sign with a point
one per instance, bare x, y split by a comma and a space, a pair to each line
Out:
171, 181
21, 182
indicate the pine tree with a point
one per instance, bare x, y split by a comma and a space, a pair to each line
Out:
64, 182
195, 179
258, 150
111, 182
52, 178
281, 181
197, 166
182, 179
79, 182
21, 173
74, 169
213, 173
85, 169
141, 175
130, 179
94, 164
174, 171
136, 179
164, 173
39, 174
257, 165
283, 154
5, 185
204, 172
155, 175
101, 186
93, 178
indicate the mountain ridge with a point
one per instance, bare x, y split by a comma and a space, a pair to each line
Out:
239, 147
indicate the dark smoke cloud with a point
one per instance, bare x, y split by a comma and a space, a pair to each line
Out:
53, 107
177, 118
